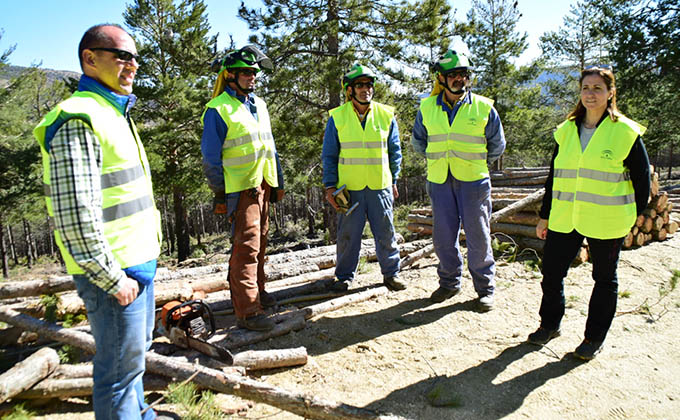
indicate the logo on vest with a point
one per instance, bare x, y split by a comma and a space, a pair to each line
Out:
472, 121
607, 155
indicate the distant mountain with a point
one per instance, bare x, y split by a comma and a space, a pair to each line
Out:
9, 72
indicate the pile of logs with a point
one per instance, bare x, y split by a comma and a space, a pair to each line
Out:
299, 283
512, 185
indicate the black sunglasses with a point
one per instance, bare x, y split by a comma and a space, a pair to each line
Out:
120, 54
359, 85
457, 73
246, 71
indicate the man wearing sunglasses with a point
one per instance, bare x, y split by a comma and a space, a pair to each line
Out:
459, 133
99, 194
361, 151
243, 171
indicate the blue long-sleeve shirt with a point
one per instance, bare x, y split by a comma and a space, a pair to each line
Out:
212, 140
495, 137
331, 152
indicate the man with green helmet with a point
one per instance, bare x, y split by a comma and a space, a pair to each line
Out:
243, 171
459, 133
361, 151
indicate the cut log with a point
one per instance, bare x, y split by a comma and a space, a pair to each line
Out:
27, 373
671, 227
657, 223
634, 230
498, 205
628, 240
420, 219
268, 359
660, 235
534, 180
81, 387
654, 186
659, 202
419, 228
649, 212
647, 225
640, 220
297, 403
639, 239
337, 303
525, 173
514, 230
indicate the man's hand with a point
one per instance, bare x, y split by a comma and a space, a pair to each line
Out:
129, 288
542, 229
395, 191
219, 204
331, 199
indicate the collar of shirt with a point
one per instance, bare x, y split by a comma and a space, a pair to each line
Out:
442, 102
361, 116
248, 98
122, 103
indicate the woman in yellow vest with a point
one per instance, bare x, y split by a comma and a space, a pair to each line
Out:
598, 184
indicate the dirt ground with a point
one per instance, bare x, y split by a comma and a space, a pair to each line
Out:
400, 354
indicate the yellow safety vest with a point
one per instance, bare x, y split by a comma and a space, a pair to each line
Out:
248, 152
592, 191
363, 160
459, 147
132, 224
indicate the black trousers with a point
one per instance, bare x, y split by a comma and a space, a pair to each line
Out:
559, 252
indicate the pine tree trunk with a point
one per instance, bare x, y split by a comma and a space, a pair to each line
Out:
181, 225
12, 245
311, 231
167, 224
27, 239
50, 235
3, 250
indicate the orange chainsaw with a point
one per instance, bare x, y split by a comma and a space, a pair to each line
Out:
189, 325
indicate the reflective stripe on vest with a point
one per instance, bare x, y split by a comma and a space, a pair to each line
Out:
459, 147
363, 160
131, 221
248, 152
592, 191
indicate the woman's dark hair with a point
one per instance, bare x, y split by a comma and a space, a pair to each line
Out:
607, 75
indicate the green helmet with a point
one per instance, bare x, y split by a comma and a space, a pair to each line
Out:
356, 72
451, 61
249, 57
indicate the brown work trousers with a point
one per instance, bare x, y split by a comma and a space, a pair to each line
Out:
246, 265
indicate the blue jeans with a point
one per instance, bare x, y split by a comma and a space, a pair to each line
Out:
455, 202
122, 335
376, 205
559, 251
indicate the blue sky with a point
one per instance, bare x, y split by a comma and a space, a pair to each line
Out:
48, 31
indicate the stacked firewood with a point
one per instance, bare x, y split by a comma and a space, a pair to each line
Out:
655, 224
514, 184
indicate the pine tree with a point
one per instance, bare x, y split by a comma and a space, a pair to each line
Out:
645, 46
313, 43
173, 85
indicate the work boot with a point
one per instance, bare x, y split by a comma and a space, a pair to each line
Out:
256, 323
441, 294
340, 285
542, 336
587, 350
267, 300
394, 283
485, 303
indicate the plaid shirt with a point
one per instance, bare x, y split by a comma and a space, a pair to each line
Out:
75, 170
